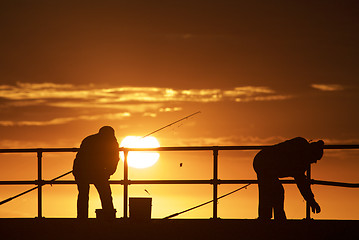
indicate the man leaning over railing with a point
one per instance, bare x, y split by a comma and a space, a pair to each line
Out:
287, 159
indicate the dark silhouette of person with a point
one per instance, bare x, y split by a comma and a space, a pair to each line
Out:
287, 159
95, 162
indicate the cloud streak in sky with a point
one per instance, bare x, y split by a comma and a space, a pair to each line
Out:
57, 121
67, 95
328, 87
125, 101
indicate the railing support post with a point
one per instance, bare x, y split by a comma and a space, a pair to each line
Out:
215, 181
39, 183
125, 186
309, 173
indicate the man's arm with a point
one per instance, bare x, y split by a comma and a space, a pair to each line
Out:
113, 158
304, 188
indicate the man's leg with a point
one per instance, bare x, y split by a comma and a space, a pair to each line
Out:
83, 199
104, 190
265, 199
278, 203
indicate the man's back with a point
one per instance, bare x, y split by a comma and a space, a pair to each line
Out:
284, 159
97, 157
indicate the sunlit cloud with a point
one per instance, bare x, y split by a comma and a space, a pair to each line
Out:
264, 98
57, 121
328, 87
170, 109
130, 107
247, 91
32, 91
149, 101
146, 100
71, 96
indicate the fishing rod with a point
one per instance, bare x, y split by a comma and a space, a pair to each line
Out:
32, 189
172, 124
65, 174
338, 184
200, 205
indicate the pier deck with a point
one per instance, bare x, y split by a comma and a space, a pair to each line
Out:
177, 229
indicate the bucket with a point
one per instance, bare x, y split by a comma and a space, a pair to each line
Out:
140, 208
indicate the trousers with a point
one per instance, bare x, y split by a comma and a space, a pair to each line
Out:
271, 198
104, 191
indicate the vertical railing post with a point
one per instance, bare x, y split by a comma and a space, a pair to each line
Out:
39, 183
215, 181
125, 185
309, 172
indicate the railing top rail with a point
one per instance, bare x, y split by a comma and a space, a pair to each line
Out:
183, 148
35, 150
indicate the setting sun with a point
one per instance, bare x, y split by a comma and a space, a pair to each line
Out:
140, 159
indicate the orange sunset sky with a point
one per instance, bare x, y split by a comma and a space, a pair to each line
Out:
260, 72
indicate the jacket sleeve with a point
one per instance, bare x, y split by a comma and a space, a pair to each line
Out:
113, 158
304, 187
79, 160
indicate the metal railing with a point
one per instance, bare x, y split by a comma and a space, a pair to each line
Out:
215, 181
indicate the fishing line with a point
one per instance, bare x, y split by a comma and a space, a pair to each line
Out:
200, 205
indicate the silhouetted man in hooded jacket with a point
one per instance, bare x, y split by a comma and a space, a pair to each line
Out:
287, 159
95, 162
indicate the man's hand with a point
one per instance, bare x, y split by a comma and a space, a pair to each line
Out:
315, 207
